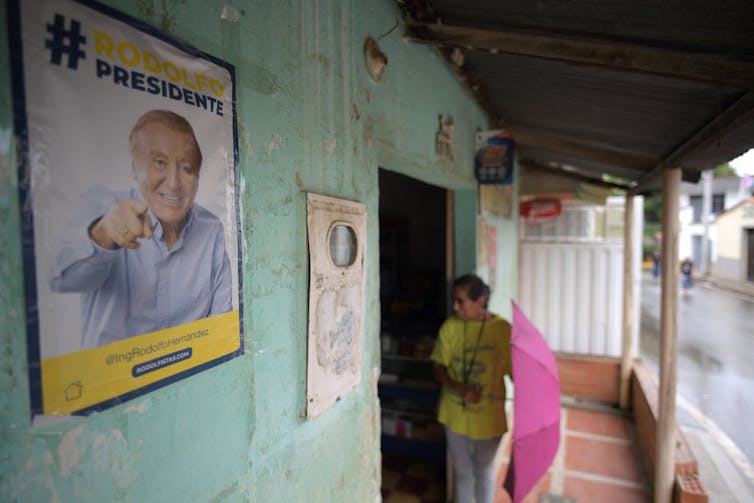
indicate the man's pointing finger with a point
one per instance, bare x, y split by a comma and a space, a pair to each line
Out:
143, 225
146, 223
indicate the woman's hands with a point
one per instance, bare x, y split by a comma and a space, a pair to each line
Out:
469, 393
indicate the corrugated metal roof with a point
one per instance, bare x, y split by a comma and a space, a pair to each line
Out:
623, 88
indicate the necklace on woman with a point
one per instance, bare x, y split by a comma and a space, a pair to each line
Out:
467, 371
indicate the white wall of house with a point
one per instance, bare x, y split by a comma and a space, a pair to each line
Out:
692, 226
731, 260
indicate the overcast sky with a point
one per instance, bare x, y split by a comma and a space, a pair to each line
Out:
744, 164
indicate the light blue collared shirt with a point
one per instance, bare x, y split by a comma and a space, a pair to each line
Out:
131, 292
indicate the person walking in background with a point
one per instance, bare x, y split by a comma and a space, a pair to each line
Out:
687, 275
656, 264
471, 356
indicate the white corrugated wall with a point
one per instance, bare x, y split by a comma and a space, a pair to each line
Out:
573, 293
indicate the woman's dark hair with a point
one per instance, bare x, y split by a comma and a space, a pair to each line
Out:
474, 286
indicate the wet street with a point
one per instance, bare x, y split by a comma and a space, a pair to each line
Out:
715, 354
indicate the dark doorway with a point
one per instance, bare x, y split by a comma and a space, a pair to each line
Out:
412, 248
413, 244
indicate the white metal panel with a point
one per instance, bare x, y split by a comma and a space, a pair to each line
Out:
615, 303
583, 294
553, 289
638, 232
598, 323
573, 294
568, 298
540, 286
525, 287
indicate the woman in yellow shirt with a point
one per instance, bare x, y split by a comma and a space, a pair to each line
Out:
471, 356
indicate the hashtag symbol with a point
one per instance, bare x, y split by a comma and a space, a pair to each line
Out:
65, 42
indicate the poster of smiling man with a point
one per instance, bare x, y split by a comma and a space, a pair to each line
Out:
128, 183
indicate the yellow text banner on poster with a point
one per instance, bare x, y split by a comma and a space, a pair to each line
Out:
76, 381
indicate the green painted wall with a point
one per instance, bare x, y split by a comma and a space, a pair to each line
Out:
466, 231
506, 280
310, 119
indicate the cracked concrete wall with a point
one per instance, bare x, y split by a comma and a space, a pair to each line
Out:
309, 119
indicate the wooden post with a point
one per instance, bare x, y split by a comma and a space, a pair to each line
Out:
665, 466
450, 273
628, 301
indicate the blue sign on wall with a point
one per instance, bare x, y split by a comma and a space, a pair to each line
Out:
493, 162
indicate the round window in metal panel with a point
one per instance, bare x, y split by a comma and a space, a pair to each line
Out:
342, 245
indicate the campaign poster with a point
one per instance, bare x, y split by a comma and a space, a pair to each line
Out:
128, 184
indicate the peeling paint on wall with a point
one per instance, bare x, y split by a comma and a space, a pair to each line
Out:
53, 493
136, 408
71, 448
111, 456
244, 140
337, 320
272, 146
230, 14
330, 146
49, 484
261, 80
444, 138
146, 8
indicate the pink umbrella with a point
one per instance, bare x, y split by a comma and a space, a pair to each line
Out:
536, 407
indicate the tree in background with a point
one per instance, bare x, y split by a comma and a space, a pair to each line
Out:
724, 170
652, 236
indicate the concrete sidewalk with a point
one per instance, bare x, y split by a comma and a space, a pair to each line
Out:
745, 288
726, 473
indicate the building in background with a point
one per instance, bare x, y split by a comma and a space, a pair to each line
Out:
725, 192
735, 243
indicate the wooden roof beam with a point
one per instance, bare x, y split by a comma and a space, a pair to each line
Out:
579, 177
718, 127
573, 148
620, 56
